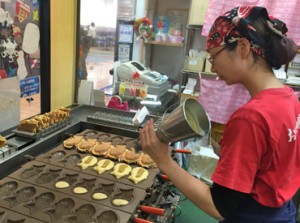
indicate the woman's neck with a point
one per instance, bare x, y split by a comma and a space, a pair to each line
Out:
262, 81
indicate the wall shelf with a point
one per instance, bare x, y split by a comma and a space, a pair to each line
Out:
190, 71
165, 43
196, 27
209, 74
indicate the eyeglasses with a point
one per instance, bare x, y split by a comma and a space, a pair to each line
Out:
213, 57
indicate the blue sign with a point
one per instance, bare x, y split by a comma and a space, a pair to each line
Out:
35, 3
29, 86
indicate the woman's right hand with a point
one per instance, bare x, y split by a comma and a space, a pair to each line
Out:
159, 151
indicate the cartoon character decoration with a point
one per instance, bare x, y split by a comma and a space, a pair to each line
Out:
9, 51
19, 38
144, 29
22, 10
5, 18
22, 71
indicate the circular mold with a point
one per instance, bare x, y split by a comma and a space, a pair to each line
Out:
130, 143
91, 134
117, 140
48, 177
124, 194
85, 213
106, 189
62, 208
69, 178
42, 202
65, 204
87, 184
104, 137
45, 199
8, 188
32, 171
72, 159
57, 156
24, 195
108, 216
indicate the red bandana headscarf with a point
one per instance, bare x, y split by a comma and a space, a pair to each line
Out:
237, 23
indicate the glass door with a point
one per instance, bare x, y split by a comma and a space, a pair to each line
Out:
97, 42
99, 45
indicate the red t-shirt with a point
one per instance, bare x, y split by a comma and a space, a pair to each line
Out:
260, 150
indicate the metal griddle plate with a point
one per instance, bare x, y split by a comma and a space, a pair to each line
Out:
64, 158
31, 182
12, 216
25, 201
46, 175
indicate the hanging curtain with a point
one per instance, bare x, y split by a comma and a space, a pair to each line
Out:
214, 91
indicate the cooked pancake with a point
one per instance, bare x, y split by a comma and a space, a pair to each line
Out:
100, 149
86, 144
72, 141
131, 156
116, 152
146, 161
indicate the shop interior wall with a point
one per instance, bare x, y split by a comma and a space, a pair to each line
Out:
63, 52
138, 46
166, 59
63, 49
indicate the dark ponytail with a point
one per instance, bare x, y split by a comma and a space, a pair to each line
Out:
283, 49
280, 49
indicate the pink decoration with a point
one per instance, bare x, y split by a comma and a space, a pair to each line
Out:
160, 25
221, 100
135, 75
177, 33
116, 103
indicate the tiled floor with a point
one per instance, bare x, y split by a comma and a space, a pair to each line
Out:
189, 213
98, 63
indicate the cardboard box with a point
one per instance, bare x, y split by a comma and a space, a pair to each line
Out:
194, 64
207, 66
185, 96
203, 162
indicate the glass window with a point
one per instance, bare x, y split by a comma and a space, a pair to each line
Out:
19, 61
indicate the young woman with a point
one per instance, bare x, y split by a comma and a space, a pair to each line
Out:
259, 168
